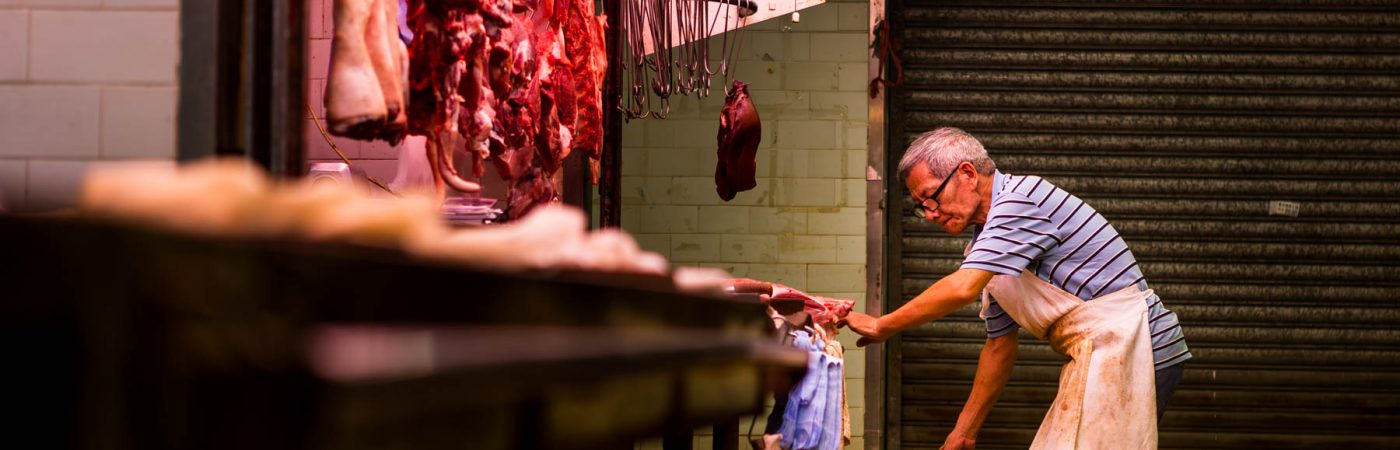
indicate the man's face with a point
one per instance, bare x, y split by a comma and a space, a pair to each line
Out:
954, 206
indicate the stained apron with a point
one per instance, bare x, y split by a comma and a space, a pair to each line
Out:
1107, 396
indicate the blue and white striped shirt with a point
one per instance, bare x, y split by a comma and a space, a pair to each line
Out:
1034, 225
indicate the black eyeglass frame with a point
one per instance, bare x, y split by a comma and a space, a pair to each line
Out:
919, 210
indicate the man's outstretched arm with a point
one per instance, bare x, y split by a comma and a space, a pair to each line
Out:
947, 295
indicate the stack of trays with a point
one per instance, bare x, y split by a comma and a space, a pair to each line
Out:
461, 211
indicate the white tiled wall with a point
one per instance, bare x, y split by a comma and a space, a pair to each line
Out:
137, 122
14, 44
103, 46
82, 81
804, 225
50, 121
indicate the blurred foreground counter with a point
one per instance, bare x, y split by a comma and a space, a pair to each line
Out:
127, 338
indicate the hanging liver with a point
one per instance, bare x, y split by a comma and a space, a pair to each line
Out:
739, 133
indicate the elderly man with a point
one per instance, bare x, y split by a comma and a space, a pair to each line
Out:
1043, 260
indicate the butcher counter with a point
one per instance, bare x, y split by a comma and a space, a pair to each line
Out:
122, 337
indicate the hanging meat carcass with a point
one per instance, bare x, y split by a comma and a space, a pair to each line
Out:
518, 101
739, 134
587, 49
365, 90
514, 81
447, 72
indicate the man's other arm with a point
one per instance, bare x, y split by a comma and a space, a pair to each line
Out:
993, 370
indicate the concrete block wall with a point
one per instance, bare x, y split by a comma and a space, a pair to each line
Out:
81, 82
804, 224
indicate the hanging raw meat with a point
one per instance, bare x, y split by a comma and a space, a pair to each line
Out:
514, 81
382, 41
366, 82
355, 104
446, 101
587, 51
499, 80
562, 82
739, 133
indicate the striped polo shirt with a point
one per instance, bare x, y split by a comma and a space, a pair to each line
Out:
1034, 225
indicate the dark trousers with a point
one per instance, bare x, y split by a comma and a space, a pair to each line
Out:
1167, 378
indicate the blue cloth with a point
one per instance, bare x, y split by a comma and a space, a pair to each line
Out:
812, 417
831, 431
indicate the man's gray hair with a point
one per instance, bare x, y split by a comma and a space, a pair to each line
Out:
942, 150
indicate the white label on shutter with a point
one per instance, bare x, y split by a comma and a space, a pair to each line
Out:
1283, 208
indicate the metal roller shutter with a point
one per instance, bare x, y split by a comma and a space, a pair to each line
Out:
1180, 121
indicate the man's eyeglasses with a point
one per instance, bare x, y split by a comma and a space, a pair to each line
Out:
921, 209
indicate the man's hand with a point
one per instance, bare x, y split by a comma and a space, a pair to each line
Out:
866, 326
956, 441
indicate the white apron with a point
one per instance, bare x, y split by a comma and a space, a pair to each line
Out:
1107, 396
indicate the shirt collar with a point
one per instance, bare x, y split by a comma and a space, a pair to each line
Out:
998, 181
